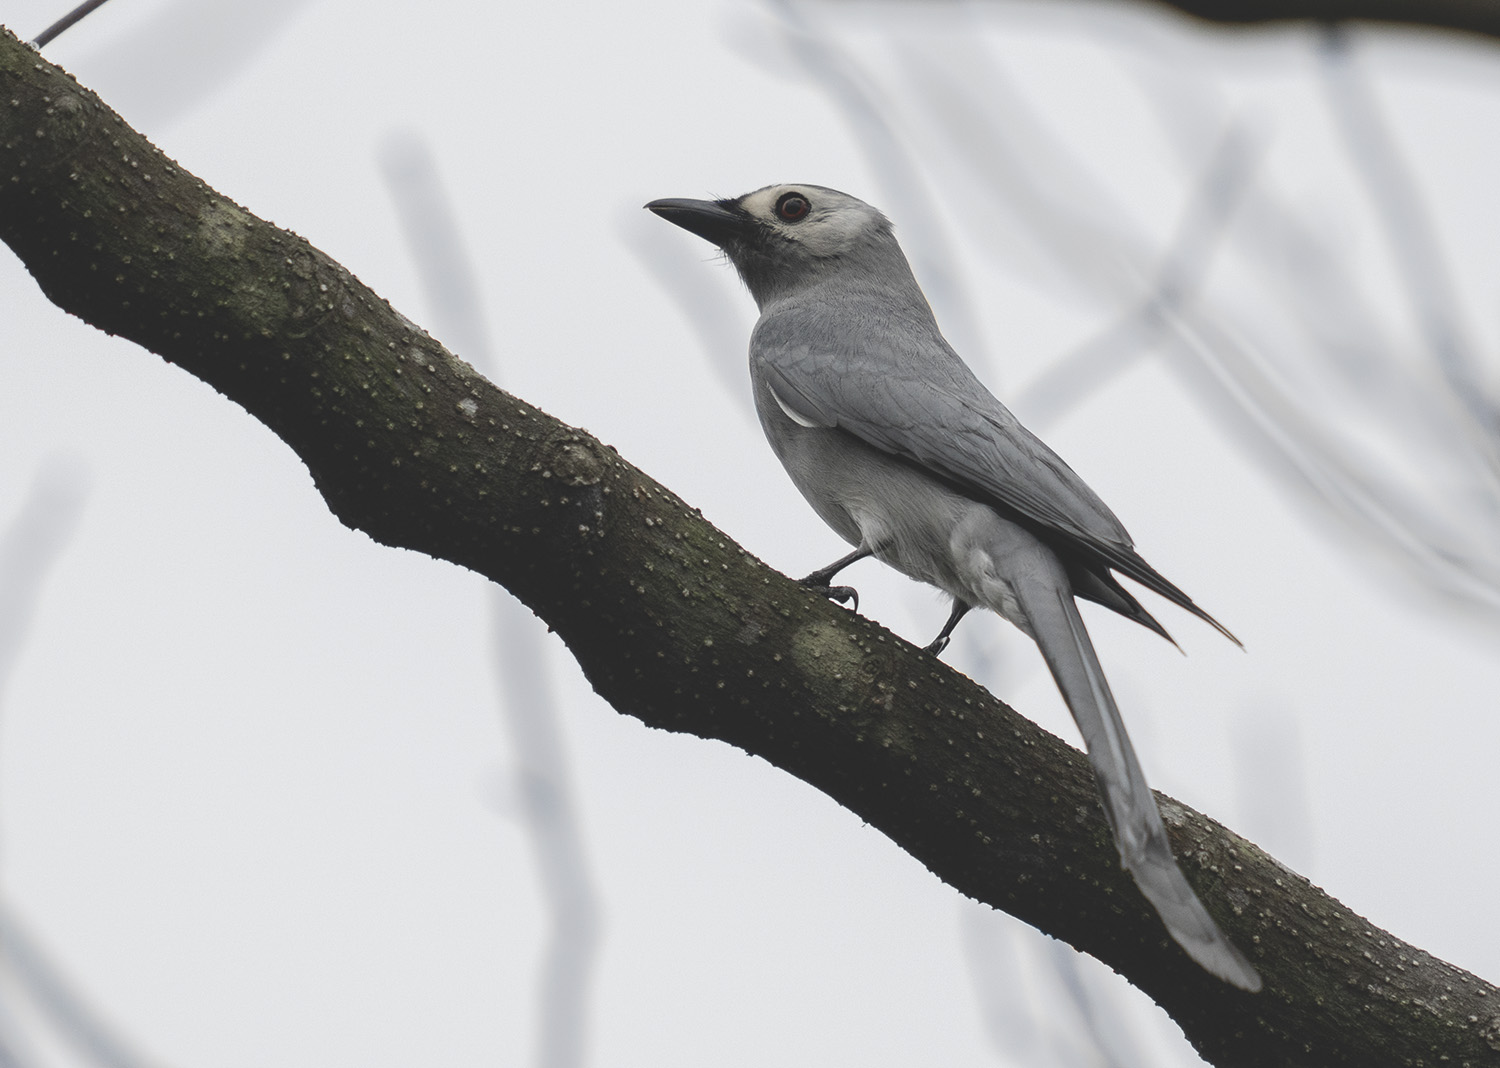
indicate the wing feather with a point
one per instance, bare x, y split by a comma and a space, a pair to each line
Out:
897, 385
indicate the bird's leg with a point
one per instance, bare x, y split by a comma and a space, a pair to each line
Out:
960, 609
819, 580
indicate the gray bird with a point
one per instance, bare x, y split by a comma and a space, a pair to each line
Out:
906, 455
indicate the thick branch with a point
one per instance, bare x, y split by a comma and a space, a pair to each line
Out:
672, 622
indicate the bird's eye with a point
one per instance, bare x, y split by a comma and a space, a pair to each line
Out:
792, 206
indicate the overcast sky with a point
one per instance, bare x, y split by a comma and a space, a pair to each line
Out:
256, 793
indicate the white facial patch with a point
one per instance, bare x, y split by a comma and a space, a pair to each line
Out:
833, 223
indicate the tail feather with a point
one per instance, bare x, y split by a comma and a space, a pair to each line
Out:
1102, 588
1128, 803
1130, 563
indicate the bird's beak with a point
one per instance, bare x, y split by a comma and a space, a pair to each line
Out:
706, 218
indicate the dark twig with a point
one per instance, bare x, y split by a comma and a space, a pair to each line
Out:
51, 33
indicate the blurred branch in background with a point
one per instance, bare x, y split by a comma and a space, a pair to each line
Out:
44, 524
29, 549
204, 44
433, 237
1474, 16
1219, 349
1310, 285
720, 323
1044, 1005
1297, 368
1409, 232
10, 1056
410, 444
1413, 243
1074, 376
904, 193
208, 43
1037, 1006
1271, 782
1323, 414
59, 1004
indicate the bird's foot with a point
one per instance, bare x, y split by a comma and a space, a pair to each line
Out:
960, 609
937, 645
841, 594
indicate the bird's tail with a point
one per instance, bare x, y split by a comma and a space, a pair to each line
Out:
1128, 802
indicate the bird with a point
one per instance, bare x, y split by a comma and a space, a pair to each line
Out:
897, 445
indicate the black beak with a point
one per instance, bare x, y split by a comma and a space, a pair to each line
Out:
710, 220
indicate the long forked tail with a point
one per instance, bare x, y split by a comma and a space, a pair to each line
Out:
1128, 803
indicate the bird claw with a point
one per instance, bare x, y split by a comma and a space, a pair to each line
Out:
937, 646
841, 594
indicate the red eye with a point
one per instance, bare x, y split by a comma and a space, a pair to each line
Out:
792, 206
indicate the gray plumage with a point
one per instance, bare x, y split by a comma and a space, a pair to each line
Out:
905, 454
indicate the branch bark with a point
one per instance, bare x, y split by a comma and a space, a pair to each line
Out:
672, 622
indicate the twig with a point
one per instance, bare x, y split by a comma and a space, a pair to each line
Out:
51, 33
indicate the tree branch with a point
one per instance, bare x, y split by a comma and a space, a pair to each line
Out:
671, 621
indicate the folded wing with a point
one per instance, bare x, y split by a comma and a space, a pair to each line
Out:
920, 402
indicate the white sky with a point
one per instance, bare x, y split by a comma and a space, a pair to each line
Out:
254, 789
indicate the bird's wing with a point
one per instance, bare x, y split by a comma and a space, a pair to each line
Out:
964, 436
908, 394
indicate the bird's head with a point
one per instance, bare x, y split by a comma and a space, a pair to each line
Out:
785, 238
